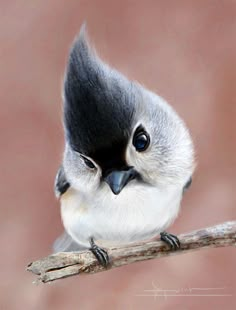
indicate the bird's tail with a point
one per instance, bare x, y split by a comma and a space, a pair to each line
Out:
65, 243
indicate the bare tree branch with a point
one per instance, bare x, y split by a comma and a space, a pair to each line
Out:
62, 265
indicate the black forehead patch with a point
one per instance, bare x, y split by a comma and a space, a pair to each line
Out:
98, 107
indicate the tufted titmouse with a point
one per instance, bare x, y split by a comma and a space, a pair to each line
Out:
128, 158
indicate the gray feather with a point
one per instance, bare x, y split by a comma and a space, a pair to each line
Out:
65, 243
61, 184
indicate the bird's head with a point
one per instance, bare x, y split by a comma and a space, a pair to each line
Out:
118, 133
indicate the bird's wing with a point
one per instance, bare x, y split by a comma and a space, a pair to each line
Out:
61, 184
187, 185
64, 243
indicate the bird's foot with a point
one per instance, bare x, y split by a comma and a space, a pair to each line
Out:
171, 240
100, 254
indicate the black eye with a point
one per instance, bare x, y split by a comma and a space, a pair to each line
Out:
88, 162
141, 140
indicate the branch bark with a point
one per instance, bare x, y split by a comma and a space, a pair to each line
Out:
66, 264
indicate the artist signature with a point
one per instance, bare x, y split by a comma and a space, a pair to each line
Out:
158, 291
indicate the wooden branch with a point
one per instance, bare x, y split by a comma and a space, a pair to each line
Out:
66, 264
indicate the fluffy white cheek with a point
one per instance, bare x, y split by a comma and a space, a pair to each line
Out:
133, 158
86, 182
144, 163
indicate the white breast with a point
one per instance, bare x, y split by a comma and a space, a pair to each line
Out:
137, 213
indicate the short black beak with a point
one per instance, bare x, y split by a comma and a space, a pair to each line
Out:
119, 178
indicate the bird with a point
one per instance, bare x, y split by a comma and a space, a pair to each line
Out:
128, 158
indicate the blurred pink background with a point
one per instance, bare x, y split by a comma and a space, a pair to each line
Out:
185, 51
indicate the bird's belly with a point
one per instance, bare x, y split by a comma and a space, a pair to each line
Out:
121, 219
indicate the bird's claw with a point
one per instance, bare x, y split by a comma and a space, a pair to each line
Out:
100, 254
171, 240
